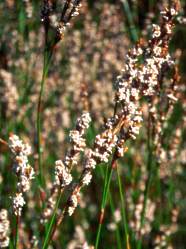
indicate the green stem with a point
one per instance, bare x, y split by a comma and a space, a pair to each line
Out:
123, 210
134, 35
47, 59
49, 228
147, 188
17, 233
148, 183
118, 236
103, 203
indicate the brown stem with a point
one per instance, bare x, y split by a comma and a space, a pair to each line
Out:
3, 142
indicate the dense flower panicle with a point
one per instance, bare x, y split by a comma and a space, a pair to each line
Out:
4, 228
62, 175
138, 81
134, 79
103, 148
18, 203
62, 168
128, 93
135, 82
23, 170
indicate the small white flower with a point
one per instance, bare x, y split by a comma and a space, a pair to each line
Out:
87, 178
73, 203
18, 203
62, 175
156, 31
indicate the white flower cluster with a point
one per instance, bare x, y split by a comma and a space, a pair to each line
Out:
73, 203
125, 83
103, 148
18, 203
83, 122
87, 178
90, 162
23, 170
104, 145
78, 140
150, 72
18, 147
157, 55
135, 124
76, 137
137, 81
4, 228
62, 174
156, 31
128, 92
62, 168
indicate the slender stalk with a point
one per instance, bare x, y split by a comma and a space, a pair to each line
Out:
17, 233
102, 208
118, 236
148, 183
145, 205
49, 228
11, 245
3, 142
134, 35
123, 211
104, 201
46, 63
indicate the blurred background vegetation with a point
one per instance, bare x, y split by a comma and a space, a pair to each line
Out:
81, 77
